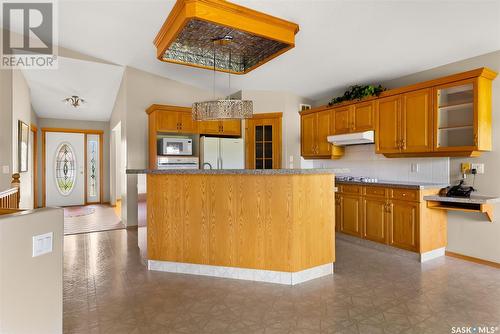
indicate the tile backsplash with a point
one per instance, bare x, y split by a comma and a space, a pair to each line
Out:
361, 160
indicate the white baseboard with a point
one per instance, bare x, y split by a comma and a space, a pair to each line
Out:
257, 275
433, 254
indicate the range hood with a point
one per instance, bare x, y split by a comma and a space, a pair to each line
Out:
352, 138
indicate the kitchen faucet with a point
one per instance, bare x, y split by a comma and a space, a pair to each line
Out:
207, 163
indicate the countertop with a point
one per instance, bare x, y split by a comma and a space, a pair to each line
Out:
397, 184
232, 171
474, 199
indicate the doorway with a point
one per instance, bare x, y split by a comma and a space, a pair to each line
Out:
71, 167
263, 140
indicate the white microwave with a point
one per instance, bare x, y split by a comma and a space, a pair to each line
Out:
175, 146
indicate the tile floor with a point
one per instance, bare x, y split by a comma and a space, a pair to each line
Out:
102, 218
107, 289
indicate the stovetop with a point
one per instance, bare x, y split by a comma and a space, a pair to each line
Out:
364, 179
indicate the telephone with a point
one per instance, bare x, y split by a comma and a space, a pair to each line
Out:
457, 191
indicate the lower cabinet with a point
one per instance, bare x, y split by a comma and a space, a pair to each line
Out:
352, 215
403, 229
376, 219
390, 216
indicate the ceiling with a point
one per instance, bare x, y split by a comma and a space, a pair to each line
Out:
96, 83
340, 43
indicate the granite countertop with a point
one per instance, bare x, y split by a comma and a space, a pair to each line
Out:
397, 184
232, 171
474, 199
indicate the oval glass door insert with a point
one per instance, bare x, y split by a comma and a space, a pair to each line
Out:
65, 169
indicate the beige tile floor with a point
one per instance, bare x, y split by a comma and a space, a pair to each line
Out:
107, 289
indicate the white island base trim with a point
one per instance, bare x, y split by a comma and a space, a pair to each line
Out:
257, 275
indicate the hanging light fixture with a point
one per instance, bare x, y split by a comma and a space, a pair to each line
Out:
222, 108
74, 101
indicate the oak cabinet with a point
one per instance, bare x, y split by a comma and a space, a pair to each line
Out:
403, 229
220, 128
315, 128
175, 121
342, 120
393, 216
352, 215
416, 121
404, 123
338, 212
387, 127
449, 116
375, 219
308, 134
353, 118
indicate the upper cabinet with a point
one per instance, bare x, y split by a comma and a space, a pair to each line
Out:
404, 123
353, 118
220, 128
315, 128
449, 116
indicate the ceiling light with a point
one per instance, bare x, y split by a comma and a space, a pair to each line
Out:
74, 101
222, 108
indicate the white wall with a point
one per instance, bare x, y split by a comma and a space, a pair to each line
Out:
21, 110
5, 127
469, 233
31, 288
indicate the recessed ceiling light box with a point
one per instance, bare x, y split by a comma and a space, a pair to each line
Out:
187, 36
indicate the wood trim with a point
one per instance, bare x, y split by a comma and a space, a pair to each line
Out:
67, 130
226, 14
85, 132
166, 107
473, 259
268, 115
85, 168
34, 131
479, 72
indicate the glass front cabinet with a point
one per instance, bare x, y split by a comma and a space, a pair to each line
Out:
462, 116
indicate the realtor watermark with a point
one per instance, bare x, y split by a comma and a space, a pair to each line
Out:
474, 329
29, 34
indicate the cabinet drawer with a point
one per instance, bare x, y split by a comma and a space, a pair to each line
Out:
375, 191
405, 194
351, 189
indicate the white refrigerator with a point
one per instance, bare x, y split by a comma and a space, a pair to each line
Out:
222, 153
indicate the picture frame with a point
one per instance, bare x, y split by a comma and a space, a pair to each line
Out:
22, 146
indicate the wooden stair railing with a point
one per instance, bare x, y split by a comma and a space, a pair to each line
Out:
9, 199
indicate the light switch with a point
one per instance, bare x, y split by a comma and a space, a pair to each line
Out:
5, 169
42, 244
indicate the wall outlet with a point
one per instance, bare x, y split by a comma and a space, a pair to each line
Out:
42, 244
478, 167
415, 168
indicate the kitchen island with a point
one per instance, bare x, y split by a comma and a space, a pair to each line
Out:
264, 225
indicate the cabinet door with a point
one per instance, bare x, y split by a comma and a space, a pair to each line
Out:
168, 121
209, 127
362, 117
231, 128
416, 121
387, 126
338, 212
403, 231
308, 134
351, 215
187, 125
342, 120
323, 146
375, 219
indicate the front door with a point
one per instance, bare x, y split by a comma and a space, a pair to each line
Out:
64, 169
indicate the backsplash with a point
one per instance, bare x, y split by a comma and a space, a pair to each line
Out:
361, 160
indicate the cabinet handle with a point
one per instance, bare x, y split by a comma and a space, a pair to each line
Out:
403, 144
475, 139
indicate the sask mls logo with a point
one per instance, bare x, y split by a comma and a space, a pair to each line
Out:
28, 36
